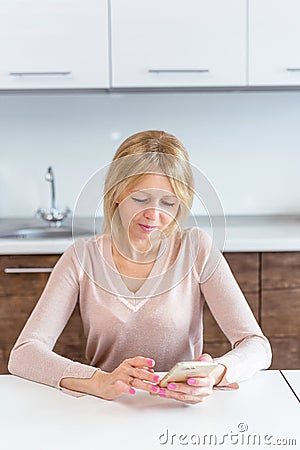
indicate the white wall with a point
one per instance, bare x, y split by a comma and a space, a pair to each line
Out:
246, 143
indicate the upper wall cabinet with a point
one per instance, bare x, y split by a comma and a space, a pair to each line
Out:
274, 42
178, 43
53, 44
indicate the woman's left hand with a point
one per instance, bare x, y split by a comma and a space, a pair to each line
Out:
196, 389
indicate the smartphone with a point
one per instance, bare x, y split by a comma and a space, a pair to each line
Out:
187, 369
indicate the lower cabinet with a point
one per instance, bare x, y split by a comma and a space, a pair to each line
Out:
22, 280
280, 306
269, 281
245, 267
271, 284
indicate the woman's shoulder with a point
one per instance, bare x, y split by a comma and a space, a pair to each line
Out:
87, 246
198, 246
194, 236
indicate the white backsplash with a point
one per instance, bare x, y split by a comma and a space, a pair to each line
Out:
246, 143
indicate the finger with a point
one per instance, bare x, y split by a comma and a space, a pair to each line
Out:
140, 361
193, 396
123, 388
205, 357
144, 375
199, 389
206, 381
145, 386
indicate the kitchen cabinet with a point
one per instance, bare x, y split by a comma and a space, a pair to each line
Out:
22, 280
270, 282
245, 267
280, 313
178, 43
274, 37
53, 44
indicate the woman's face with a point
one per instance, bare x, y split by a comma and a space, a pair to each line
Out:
147, 206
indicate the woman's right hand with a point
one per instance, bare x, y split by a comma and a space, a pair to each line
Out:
110, 385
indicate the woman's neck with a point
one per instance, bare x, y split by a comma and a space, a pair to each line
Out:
142, 251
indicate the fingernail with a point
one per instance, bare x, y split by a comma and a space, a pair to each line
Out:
191, 381
171, 386
155, 388
203, 358
162, 392
131, 391
150, 362
156, 378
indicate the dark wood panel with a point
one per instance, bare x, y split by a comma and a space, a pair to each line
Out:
281, 312
216, 349
19, 294
245, 267
281, 270
72, 341
70, 344
286, 353
14, 312
24, 284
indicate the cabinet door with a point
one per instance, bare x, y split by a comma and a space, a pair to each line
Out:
53, 44
22, 280
178, 43
245, 267
274, 38
281, 307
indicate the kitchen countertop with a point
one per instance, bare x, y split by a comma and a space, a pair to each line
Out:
261, 414
243, 234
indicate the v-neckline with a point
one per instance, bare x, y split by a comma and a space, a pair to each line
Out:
148, 286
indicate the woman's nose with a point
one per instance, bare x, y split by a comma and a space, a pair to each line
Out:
151, 213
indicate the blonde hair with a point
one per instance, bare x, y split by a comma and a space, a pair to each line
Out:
149, 152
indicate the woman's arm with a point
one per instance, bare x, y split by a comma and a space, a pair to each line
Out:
32, 356
251, 350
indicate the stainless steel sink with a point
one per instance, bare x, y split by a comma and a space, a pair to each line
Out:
44, 232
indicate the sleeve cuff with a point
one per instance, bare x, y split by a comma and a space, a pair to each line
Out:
76, 370
225, 384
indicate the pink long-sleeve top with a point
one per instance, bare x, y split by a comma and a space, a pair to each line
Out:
162, 320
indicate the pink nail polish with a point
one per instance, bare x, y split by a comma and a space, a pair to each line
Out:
156, 378
171, 386
155, 388
150, 362
191, 381
203, 358
132, 391
162, 393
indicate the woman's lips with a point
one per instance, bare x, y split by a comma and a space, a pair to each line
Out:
147, 228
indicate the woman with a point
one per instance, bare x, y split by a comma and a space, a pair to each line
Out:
141, 287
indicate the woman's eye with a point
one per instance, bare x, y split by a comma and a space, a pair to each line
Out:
168, 204
139, 200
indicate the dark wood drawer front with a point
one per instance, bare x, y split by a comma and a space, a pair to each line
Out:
13, 281
245, 267
286, 353
281, 270
281, 312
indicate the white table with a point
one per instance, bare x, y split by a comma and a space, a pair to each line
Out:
37, 417
293, 379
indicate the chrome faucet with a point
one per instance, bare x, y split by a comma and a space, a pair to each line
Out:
54, 217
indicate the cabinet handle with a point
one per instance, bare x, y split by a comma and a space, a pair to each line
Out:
28, 269
178, 70
38, 74
293, 69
